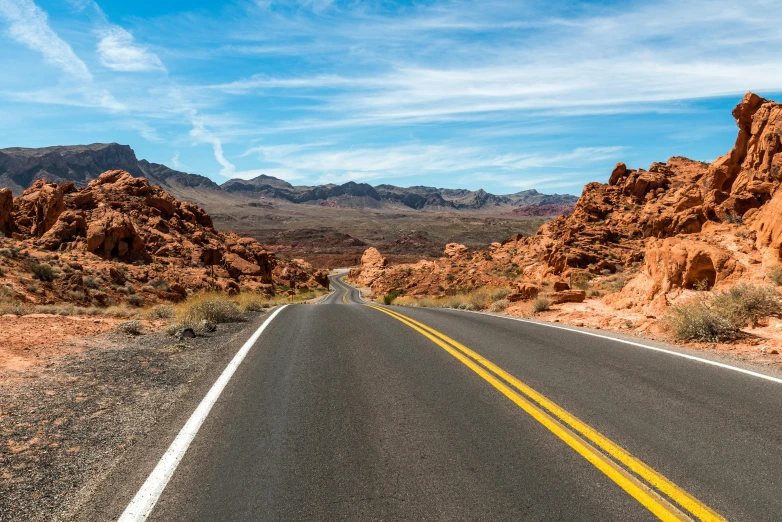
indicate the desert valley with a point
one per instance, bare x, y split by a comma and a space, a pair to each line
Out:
92, 256
439, 260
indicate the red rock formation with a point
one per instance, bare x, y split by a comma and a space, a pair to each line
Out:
121, 226
678, 224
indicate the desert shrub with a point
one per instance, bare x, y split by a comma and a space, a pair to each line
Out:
701, 285
163, 311
775, 275
582, 280
390, 297
613, 284
92, 282
160, 284
6, 252
594, 292
120, 311
695, 320
734, 219
745, 303
76, 295
499, 306
8, 305
134, 300
132, 327
215, 307
250, 302
43, 271
173, 329
500, 293
541, 304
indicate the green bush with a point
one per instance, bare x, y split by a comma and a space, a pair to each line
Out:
390, 296
43, 271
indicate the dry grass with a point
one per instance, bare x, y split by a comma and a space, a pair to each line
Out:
721, 316
541, 304
211, 306
479, 299
774, 275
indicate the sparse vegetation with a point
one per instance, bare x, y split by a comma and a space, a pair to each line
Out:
390, 297
499, 306
43, 271
541, 304
134, 300
212, 306
774, 275
695, 320
720, 317
164, 311
132, 327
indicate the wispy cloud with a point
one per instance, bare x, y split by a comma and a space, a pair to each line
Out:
28, 25
118, 51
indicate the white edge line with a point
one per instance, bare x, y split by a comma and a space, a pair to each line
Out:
142, 504
639, 345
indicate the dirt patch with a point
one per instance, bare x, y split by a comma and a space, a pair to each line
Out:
65, 421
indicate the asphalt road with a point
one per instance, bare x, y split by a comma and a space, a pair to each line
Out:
343, 411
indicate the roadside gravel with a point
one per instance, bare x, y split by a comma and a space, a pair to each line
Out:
64, 426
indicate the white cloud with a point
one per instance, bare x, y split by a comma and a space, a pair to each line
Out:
176, 163
118, 51
364, 164
29, 26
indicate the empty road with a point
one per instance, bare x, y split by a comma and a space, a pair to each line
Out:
353, 411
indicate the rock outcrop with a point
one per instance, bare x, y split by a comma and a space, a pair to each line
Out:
133, 233
679, 225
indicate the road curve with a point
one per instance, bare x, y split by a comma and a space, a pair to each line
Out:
365, 412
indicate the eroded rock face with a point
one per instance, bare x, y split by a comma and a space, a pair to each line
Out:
38, 208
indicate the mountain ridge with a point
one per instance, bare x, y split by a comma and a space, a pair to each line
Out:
20, 167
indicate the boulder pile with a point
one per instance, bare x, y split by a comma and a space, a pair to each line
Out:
123, 231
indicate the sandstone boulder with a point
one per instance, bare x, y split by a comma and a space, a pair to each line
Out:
455, 250
566, 296
70, 224
112, 228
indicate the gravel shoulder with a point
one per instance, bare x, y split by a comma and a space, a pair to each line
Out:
81, 432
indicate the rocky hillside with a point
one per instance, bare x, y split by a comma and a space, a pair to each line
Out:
679, 225
21, 167
120, 236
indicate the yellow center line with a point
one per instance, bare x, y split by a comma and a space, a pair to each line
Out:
654, 478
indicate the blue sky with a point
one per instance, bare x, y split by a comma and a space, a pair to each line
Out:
503, 95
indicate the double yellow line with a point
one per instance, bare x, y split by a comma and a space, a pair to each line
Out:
342, 286
636, 478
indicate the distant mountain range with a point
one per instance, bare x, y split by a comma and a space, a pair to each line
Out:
20, 167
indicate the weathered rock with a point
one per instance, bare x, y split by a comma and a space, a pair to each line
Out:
524, 292
70, 223
566, 296
455, 250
